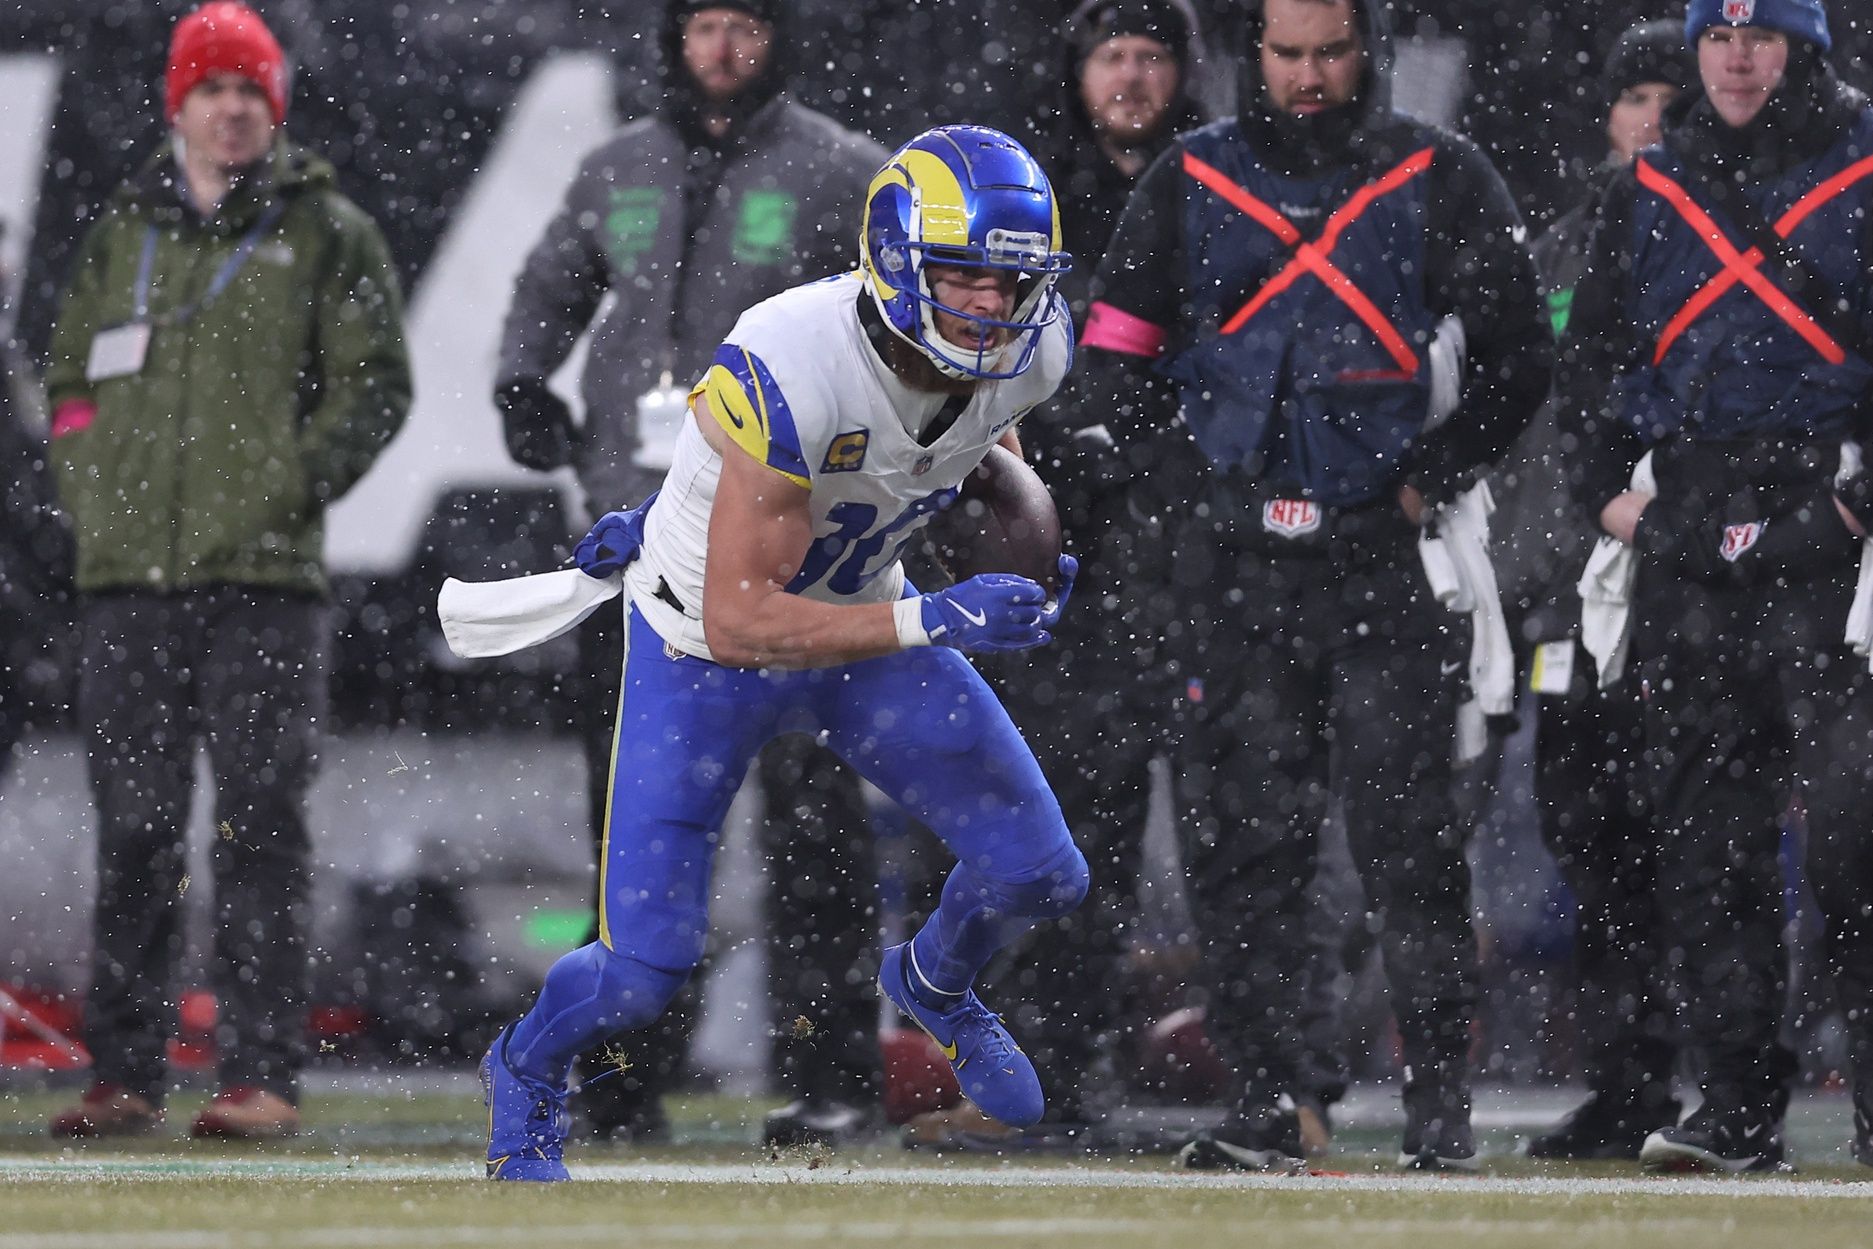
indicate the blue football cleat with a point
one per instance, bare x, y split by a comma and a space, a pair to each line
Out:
991, 1068
527, 1121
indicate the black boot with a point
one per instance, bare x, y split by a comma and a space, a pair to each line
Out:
817, 1121
1717, 1137
1608, 1125
1260, 1134
618, 1104
1437, 1121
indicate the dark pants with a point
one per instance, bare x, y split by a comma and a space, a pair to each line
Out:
1596, 822
821, 925
1094, 707
243, 673
1309, 677
1744, 696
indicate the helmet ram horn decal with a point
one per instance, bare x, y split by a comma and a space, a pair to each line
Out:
972, 197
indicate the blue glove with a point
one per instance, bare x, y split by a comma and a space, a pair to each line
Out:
995, 611
614, 541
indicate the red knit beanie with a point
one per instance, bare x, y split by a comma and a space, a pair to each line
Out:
224, 38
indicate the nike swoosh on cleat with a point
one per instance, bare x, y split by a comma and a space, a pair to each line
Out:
978, 619
949, 1051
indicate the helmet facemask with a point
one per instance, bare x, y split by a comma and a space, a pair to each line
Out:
1007, 347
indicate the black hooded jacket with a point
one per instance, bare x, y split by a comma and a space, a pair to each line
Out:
1477, 263
1089, 188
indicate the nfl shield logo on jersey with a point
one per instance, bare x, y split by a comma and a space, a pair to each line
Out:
922, 465
1290, 517
1739, 12
1738, 539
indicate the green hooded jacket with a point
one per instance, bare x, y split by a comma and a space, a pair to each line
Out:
214, 462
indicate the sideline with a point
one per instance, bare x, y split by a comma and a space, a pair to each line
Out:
37, 1169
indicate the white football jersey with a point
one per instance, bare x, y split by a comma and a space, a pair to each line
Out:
799, 386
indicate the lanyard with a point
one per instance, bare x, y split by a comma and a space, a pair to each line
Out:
224, 275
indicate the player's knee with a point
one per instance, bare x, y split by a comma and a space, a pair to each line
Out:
1056, 888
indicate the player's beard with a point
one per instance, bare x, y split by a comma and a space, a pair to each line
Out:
916, 371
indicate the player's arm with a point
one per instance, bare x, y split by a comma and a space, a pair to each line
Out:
759, 532
1480, 271
1138, 307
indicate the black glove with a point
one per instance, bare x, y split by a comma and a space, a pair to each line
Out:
538, 424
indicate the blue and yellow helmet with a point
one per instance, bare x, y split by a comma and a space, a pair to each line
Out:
973, 197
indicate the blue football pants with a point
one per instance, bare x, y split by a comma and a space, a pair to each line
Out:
920, 724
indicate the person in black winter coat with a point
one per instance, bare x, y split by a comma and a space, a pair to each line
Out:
1095, 707
1262, 325
1589, 744
1745, 376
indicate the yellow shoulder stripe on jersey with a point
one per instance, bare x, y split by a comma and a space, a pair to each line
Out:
747, 419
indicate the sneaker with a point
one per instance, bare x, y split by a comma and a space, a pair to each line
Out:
815, 1121
1714, 1139
527, 1121
991, 1068
107, 1110
1437, 1127
1260, 1134
1604, 1126
244, 1112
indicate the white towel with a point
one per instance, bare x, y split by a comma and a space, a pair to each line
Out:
1606, 592
485, 618
1860, 618
1455, 552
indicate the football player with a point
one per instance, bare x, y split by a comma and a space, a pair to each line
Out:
767, 597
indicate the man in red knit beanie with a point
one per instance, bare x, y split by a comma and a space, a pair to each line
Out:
224, 38
228, 360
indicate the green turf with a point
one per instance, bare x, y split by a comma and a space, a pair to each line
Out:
343, 1184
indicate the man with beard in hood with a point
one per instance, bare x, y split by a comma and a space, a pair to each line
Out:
1270, 301
1093, 709
731, 192
1722, 339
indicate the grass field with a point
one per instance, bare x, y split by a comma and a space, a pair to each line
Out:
395, 1163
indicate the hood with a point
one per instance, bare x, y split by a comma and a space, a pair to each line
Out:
288, 170
1808, 114
678, 97
1299, 144
1065, 123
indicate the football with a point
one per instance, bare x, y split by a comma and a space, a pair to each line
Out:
1002, 521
